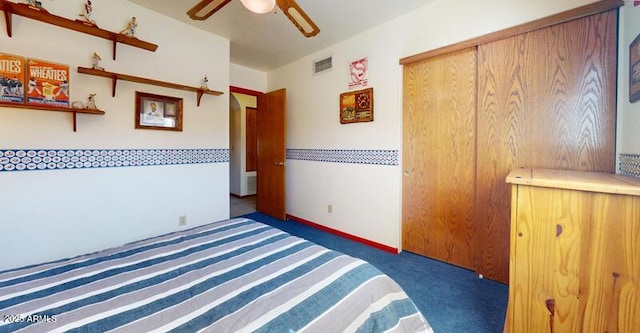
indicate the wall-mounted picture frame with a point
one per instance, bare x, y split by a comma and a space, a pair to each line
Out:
158, 112
356, 106
634, 70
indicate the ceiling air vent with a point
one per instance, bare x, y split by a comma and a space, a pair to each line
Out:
322, 65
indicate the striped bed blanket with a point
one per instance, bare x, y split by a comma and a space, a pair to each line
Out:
237, 275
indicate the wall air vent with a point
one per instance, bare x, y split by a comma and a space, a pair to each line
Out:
323, 65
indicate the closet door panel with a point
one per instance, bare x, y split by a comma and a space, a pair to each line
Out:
501, 132
546, 100
439, 157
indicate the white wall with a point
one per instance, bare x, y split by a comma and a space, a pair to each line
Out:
628, 113
248, 78
51, 214
366, 198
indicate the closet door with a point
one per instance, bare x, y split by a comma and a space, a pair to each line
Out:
439, 136
546, 100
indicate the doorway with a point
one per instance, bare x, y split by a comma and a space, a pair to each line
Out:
264, 115
242, 153
242, 205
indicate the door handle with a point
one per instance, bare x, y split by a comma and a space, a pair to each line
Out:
280, 163
407, 172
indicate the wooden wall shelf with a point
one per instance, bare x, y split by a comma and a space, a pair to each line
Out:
116, 76
74, 111
25, 10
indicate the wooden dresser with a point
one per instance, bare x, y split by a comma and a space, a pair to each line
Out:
575, 252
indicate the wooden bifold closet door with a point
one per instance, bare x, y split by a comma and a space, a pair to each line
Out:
542, 99
439, 157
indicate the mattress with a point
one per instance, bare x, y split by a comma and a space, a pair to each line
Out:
237, 275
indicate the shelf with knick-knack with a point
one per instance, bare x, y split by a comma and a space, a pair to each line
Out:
42, 15
200, 91
44, 107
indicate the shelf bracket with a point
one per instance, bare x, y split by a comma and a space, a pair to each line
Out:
7, 20
74, 121
199, 92
114, 81
115, 43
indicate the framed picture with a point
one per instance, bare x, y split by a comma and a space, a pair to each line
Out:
158, 112
634, 70
356, 106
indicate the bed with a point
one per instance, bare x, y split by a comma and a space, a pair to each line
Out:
237, 275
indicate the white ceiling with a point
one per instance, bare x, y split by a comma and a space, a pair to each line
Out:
268, 41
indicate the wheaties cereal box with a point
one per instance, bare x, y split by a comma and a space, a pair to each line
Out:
47, 83
11, 78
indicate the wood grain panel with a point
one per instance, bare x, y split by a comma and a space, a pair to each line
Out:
500, 129
534, 259
547, 100
439, 157
609, 280
547, 258
575, 259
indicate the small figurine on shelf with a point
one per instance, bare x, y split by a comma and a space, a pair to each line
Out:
130, 29
91, 102
95, 61
204, 85
35, 4
88, 9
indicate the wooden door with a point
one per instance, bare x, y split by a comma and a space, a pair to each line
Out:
438, 195
546, 100
271, 125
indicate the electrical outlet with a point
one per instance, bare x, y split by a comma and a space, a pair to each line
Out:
330, 208
182, 220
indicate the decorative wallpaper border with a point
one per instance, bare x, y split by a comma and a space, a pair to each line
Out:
630, 164
57, 159
374, 157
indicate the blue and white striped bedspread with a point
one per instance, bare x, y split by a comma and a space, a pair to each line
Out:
237, 275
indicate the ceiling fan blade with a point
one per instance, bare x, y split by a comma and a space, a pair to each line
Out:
298, 17
205, 8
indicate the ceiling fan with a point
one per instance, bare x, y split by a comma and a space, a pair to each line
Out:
205, 8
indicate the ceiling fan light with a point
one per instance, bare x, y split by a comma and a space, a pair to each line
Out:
259, 6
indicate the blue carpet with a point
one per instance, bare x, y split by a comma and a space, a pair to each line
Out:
453, 299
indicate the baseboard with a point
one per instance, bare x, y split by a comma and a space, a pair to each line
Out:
344, 235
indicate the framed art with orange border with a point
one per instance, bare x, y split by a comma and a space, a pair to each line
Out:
634, 70
356, 106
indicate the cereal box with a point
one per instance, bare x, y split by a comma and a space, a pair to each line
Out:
47, 83
11, 78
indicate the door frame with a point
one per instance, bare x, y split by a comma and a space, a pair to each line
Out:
257, 94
